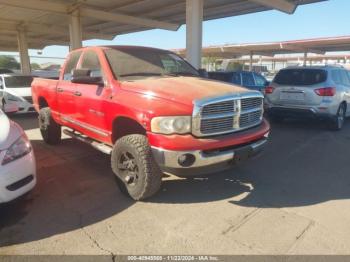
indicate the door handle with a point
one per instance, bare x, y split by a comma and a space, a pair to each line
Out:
60, 89
77, 93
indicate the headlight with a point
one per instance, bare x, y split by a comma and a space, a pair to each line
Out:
171, 125
13, 98
17, 150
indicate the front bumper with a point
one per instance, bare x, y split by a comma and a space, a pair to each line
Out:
17, 177
299, 112
23, 106
205, 161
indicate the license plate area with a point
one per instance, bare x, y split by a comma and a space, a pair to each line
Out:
292, 96
242, 154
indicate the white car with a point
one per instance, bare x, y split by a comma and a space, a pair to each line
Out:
16, 89
17, 161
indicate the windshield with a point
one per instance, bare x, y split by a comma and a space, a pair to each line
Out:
142, 63
18, 81
302, 77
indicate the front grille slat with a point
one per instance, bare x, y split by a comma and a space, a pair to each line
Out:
230, 115
218, 108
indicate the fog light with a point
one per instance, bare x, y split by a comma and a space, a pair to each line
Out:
186, 160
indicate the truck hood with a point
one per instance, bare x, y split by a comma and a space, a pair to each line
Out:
181, 89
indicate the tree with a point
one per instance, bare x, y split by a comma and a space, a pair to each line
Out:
210, 63
9, 62
234, 66
35, 66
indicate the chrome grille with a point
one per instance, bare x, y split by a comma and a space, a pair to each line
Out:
216, 125
218, 108
249, 119
227, 114
249, 103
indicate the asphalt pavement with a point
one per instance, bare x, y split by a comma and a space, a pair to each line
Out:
291, 199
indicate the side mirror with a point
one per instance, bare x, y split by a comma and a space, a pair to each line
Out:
84, 76
203, 73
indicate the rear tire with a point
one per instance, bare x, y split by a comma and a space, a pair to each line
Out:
50, 130
136, 171
338, 122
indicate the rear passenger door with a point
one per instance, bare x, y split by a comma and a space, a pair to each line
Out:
248, 80
236, 78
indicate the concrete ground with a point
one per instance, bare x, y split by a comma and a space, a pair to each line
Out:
292, 199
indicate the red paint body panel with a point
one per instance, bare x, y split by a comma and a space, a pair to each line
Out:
94, 112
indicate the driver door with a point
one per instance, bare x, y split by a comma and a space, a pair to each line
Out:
89, 99
66, 90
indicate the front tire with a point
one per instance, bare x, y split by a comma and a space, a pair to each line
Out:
50, 130
136, 171
338, 122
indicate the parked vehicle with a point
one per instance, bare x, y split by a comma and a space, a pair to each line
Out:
152, 112
17, 162
16, 89
250, 80
6, 71
317, 91
50, 74
269, 76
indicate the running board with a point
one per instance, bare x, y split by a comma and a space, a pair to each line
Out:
97, 145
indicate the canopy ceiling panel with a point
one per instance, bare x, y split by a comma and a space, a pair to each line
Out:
47, 20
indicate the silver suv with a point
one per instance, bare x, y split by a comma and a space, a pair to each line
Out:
312, 91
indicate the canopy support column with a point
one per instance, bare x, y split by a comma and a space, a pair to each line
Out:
305, 58
194, 34
75, 31
23, 52
251, 61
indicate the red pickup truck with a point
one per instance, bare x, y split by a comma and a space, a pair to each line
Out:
152, 112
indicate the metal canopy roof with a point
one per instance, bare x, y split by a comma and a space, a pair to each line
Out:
315, 45
46, 22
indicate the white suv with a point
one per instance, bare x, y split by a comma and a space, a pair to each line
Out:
314, 91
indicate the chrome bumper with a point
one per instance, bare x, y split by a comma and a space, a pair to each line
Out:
170, 159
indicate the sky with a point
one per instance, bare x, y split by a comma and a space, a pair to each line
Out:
324, 19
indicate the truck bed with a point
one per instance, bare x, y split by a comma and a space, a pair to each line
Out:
44, 90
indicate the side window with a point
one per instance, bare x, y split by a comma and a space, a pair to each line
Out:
220, 76
236, 78
344, 78
336, 76
248, 79
70, 65
260, 81
92, 62
1, 83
